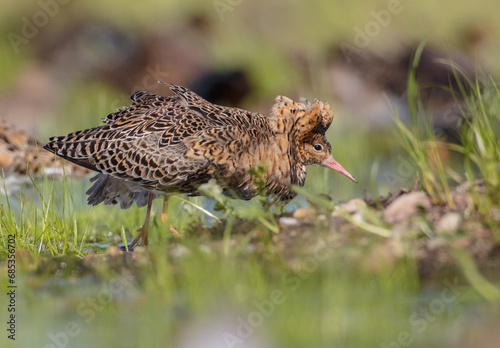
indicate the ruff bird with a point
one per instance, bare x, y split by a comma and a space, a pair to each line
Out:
163, 145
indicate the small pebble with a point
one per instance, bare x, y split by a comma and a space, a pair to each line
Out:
305, 215
436, 243
463, 200
140, 254
405, 206
113, 251
355, 205
288, 222
449, 222
180, 251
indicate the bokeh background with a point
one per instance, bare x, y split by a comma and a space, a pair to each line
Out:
66, 64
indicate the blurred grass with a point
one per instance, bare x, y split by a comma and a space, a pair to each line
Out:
331, 303
479, 148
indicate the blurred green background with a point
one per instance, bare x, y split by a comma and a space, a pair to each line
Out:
65, 66
67, 77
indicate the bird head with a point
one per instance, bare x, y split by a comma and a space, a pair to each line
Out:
306, 125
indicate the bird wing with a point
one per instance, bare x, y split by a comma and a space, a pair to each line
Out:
168, 143
161, 143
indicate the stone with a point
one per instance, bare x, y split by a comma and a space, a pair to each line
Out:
6, 160
113, 251
436, 243
405, 206
462, 200
354, 206
449, 222
288, 222
305, 215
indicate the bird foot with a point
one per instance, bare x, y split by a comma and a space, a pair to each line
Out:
143, 234
175, 233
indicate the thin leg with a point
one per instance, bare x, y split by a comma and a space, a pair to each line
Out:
164, 217
164, 210
174, 232
143, 231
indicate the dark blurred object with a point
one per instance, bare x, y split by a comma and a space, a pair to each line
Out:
223, 87
440, 75
63, 55
90, 49
124, 59
34, 96
178, 54
478, 40
86, 49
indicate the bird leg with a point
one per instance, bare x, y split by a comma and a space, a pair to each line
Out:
164, 217
164, 210
175, 233
143, 231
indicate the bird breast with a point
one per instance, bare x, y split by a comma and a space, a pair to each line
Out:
273, 159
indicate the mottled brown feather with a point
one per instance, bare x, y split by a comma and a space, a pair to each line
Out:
174, 144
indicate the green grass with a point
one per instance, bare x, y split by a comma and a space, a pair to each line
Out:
172, 296
481, 141
326, 293
322, 298
478, 154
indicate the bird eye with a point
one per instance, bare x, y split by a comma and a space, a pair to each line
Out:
318, 147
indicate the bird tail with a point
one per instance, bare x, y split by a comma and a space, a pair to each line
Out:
109, 190
75, 147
